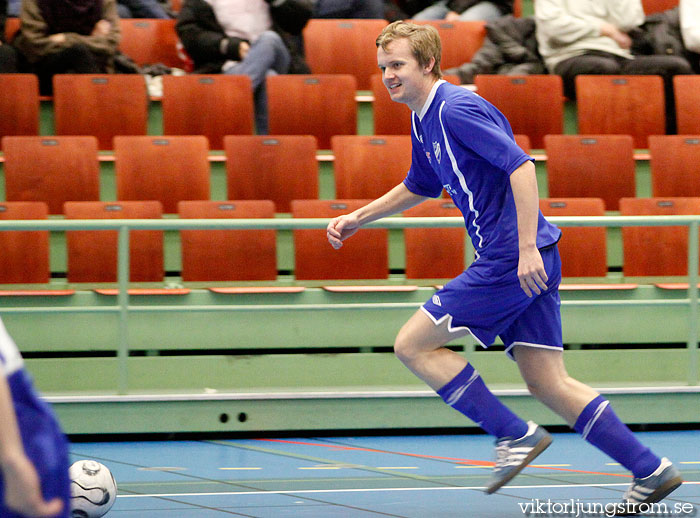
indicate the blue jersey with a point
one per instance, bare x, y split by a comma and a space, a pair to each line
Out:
463, 144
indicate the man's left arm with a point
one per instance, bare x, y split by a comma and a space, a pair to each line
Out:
531, 272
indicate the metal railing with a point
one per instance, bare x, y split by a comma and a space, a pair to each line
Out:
124, 226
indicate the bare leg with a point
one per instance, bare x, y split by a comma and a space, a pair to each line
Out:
420, 346
546, 377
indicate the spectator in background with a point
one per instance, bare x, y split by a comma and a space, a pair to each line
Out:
8, 54
59, 37
348, 9
245, 37
454, 10
690, 29
141, 9
577, 38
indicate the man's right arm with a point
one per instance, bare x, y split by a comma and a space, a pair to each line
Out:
396, 200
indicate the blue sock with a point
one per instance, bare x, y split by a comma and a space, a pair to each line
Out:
600, 426
468, 394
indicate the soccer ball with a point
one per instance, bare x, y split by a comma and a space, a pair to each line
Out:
92, 489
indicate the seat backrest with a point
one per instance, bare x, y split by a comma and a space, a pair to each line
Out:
686, 90
166, 169
228, 255
12, 26
343, 47
524, 142
460, 40
518, 8
591, 166
656, 6
434, 253
92, 254
209, 105
364, 256
390, 117
280, 168
369, 166
25, 254
100, 105
583, 250
51, 169
150, 41
534, 105
621, 105
318, 105
674, 165
653, 251
19, 104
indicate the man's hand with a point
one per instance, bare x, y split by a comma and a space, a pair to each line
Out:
58, 38
243, 48
102, 28
531, 272
22, 489
341, 228
452, 16
621, 38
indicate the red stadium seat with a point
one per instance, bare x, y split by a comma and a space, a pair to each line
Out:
656, 6
92, 254
674, 165
19, 104
460, 40
228, 255
25, 254
150, 41
61, 169
687, 95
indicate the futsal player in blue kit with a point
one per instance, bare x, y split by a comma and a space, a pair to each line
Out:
464, 145
34, 465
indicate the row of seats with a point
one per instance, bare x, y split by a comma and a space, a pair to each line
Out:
250, 255
284, 168
325, 105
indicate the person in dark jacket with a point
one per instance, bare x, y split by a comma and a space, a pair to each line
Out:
244, 37
8, 54
453, 10
510, 47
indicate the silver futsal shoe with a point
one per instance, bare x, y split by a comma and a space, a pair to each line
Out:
651, 489
512, 455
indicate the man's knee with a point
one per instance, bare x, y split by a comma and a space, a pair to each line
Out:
271, 39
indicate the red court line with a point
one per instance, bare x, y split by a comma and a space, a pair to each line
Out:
471, 462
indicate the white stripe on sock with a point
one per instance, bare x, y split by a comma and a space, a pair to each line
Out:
598, 411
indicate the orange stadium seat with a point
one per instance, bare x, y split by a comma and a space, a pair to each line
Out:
534, 105
60, 169
19, 104
434, 253
460, 40
674, 165
656, 251
150, 41
369, 166
687, 94
591, 166
583, 250
100, 105
12, 25
166, 169
318, 105
209, 105
518, 8
315, 259
228, 255
25, 254
92, 254
343, 47
524, 142
621, 105
280, 168
655, 6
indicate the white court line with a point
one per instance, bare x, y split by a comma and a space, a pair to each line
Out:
375, 490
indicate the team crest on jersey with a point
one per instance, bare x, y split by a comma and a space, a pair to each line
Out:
436, 300
436, 151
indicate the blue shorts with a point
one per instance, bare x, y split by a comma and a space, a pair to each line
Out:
487, 301
44, 443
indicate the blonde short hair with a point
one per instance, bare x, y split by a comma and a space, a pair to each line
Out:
423, 39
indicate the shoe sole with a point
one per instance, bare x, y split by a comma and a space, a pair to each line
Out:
539, 448
662, 492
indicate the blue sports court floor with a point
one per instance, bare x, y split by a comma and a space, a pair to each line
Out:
416, 477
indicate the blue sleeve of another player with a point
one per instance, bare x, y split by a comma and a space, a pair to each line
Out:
478, 130
421, 179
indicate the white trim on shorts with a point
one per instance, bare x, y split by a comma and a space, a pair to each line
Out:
451, 329
528, 344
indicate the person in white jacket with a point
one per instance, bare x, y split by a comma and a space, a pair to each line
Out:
690, 29
576, 38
